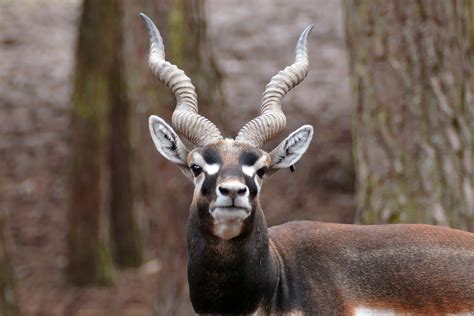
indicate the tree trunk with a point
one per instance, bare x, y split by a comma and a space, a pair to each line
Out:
411, 68
8, 297
89, 257
126, 238
162, 191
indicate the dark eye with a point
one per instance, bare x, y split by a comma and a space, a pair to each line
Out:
196, 169
261, 172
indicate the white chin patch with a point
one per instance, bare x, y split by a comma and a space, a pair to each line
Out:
368, 311
228, 221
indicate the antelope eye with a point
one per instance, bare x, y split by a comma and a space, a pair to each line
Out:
196, 169
261, 172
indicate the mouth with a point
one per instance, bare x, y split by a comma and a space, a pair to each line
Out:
229, 213
229, 208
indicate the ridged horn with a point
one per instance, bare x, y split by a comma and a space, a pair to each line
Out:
272, 120
186, 120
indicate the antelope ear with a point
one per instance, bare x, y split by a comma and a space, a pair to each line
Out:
168, 144
289, 151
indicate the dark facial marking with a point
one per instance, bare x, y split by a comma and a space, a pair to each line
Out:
250, 183
208, 184
248, 158
211, 156
261, 172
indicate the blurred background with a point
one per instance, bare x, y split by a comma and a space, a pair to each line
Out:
92, 218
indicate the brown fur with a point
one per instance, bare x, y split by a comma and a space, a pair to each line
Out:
418, 269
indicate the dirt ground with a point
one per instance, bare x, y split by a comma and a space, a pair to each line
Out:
252, 42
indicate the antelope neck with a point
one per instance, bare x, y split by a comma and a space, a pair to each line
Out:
236, 276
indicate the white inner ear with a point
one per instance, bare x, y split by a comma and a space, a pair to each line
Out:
166, 141
292, 148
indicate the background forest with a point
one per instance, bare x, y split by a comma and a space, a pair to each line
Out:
92, 219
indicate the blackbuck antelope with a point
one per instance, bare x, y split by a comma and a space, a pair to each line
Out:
237, 265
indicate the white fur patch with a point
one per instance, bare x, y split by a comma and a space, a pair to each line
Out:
210, 169
369, 311
258, 183
251, 170
228, 222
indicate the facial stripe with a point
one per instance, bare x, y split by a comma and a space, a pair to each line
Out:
250, 170
258, 182
209, 168
198, 182
252, 185
208, 184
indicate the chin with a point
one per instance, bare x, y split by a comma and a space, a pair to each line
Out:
228, 221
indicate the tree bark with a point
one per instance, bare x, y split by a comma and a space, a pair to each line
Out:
411, 70
8, 296
126, 237
88, 253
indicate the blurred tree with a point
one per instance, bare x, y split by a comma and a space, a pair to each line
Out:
100, 129
412, 66
88, 254
8, 297
126, 238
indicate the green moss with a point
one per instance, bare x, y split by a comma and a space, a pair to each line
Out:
105, 268
91, 96
394, 218
176, 26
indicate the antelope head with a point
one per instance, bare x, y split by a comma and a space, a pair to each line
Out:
227, 173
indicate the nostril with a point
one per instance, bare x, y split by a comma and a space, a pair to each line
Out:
242, 191
224, 191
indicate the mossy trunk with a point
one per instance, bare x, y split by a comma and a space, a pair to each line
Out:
126, 238
88, 254
101, 173
411, 70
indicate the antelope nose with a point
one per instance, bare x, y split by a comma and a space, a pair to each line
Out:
232, 189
